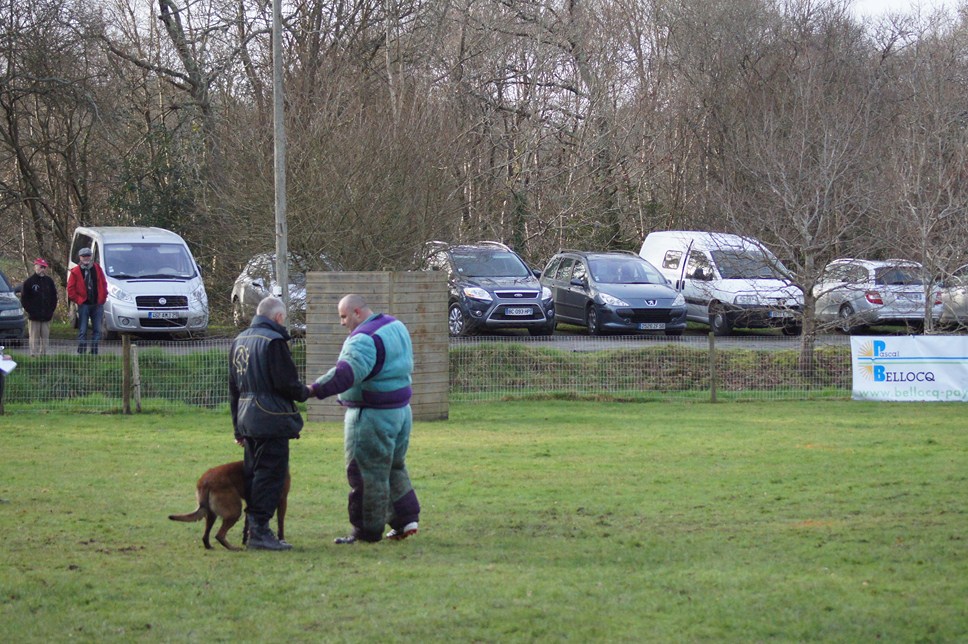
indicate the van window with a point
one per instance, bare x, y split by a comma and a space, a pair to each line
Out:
148, 260
739, 264
81, 241
698, 266
672, 259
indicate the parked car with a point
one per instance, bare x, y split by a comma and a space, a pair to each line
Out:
258, 280
154, 283
613, 292
491, 287
11, 313
954, 298
856, 293
729, 281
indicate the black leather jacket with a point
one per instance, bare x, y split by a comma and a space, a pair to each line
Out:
264, 384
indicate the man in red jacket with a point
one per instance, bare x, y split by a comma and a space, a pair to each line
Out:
88, 288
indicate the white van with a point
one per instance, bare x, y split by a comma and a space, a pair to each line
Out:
728, 281
154, 283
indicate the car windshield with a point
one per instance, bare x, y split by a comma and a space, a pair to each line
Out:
746, 264
624, 270
4, 284
897, 276
149, 260
472, 262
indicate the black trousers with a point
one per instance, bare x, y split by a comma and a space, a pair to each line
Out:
265, 465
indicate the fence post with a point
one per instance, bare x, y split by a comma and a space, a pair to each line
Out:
712, 367
125, 374
136, 377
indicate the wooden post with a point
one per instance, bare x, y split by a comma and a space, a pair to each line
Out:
136, 378
125, 374
712, 367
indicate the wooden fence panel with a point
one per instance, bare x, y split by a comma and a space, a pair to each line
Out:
418, 299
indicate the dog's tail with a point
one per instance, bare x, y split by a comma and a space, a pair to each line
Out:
197, 515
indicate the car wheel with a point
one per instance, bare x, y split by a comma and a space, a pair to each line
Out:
719, 323
845, 314
592, 321
456, 321
238, 316
792, 329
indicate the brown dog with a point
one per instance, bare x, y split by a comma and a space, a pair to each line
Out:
220, 492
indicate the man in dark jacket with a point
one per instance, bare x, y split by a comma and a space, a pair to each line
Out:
264, 386
38, 295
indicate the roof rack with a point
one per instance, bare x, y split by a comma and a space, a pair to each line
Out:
599, 252
496, 244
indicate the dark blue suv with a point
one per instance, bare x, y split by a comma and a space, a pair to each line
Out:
491, 288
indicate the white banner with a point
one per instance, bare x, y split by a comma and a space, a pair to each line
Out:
929, 368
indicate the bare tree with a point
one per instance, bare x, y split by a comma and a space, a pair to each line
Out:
929, 154
798, 156
50, 118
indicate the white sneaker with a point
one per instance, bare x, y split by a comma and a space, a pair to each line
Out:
408, 530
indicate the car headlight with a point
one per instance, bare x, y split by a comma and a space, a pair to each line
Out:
545, 293
119, 293
747, 299
200, 296
477, 293
679, 301
611, 300
11, 313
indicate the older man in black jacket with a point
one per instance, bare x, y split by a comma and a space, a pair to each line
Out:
264, 387
38, 294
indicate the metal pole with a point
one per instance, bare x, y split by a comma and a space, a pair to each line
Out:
279, 137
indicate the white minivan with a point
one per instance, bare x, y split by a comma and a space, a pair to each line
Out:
154, 283
727, 280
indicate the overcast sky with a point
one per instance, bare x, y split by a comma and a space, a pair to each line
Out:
878, 7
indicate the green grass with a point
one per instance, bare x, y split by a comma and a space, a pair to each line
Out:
542, 521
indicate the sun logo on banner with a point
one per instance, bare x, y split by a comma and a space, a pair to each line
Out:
866, 355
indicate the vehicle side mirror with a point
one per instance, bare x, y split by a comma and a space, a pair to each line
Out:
579, 281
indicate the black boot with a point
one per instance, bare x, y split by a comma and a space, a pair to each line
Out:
261, 537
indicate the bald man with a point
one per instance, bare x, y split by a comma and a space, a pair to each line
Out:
372, 377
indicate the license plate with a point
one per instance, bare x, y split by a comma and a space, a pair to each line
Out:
162, 315
781, 314
519, 310
651, 326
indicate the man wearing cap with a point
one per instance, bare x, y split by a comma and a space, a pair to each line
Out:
88, 288
38, 295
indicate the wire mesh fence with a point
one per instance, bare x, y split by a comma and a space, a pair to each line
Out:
173, 375
648, 368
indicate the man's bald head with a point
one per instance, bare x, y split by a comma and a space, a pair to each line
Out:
353, 309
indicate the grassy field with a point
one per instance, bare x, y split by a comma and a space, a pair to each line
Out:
553, 521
